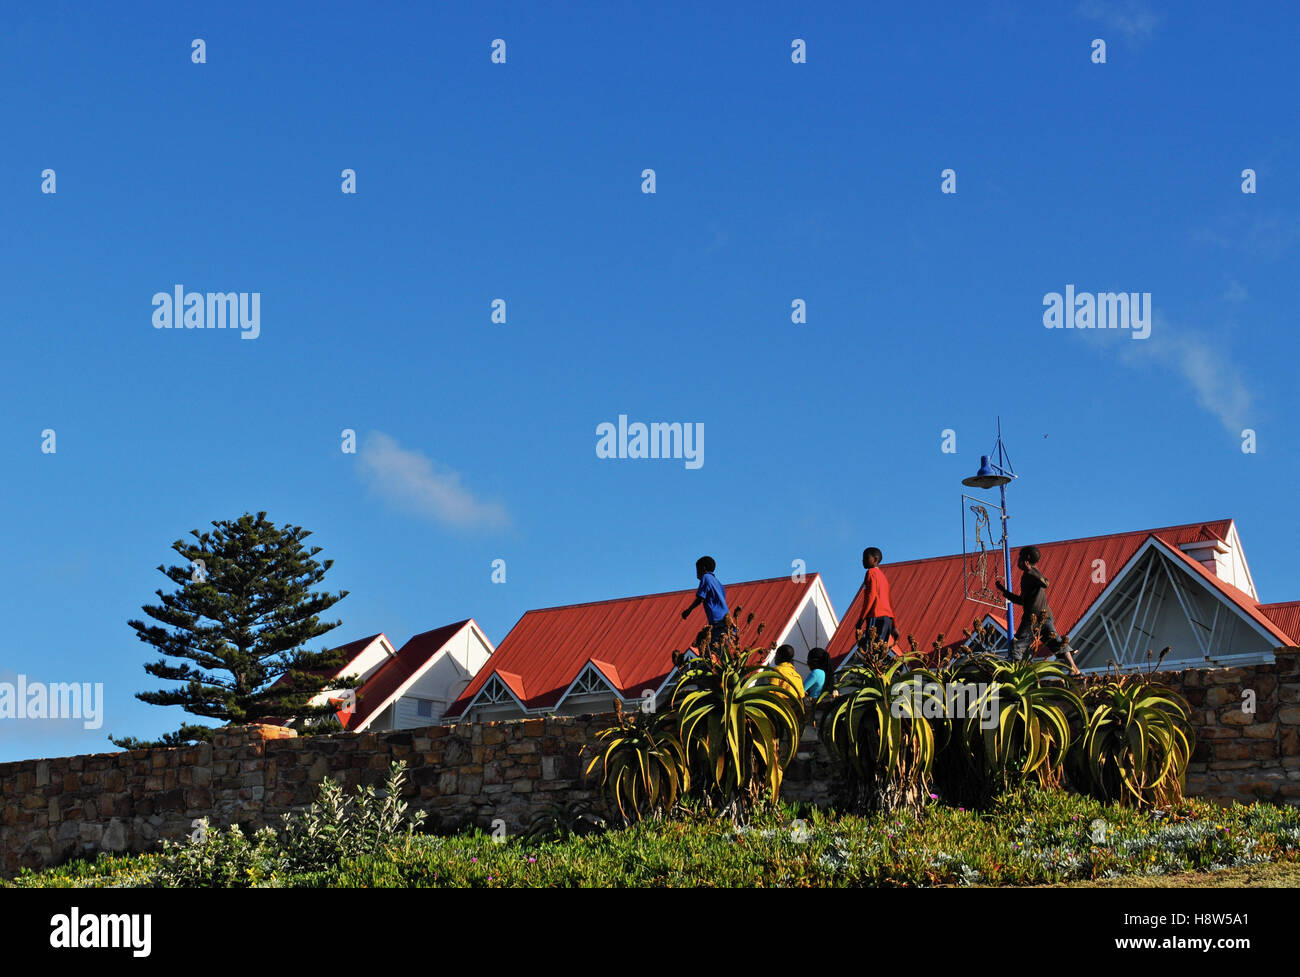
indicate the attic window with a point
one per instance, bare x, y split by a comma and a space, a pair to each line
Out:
997, 644
590, 683
495, 691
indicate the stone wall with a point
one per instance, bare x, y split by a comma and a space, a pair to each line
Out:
51, 810
1241, 755
475, 773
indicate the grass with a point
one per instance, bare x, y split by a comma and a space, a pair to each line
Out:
1029, 838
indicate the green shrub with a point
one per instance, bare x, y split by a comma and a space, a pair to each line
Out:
1028, 836
738, 727
213, 859
334, 828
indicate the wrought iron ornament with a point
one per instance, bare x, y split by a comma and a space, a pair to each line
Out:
982, 554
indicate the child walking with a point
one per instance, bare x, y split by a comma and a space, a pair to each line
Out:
877, 610
1033, 600
714, 598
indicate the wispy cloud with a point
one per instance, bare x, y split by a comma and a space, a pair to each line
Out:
1218, 383
1236, 292
410, 482
1132, 20
1268, 236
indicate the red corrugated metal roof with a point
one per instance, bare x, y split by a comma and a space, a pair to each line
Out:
632, 638
1286, 615
610, 671
412, 657
928, 595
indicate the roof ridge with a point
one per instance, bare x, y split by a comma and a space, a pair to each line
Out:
1059, 542
442, 627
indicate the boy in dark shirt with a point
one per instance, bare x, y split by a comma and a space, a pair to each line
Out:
1033, 600
714, 598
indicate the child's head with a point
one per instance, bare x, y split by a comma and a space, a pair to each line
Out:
703, 565
1029, 556
871, 557
819, 658
784, 654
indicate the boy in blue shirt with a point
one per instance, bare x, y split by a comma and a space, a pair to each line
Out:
713, 597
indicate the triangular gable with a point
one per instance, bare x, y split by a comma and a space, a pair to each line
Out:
609, 673
499, 687
1161, 591
595, 677
813, 635
998, 622
362, 658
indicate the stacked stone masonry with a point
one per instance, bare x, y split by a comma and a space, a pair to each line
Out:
477, 773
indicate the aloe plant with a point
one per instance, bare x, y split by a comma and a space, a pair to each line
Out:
1136, 743
1029, 734
727, 732
879, 728
643, 768
739, 727
1019, 728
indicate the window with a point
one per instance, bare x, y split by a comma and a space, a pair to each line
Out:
495, 691
590, 683
424, 708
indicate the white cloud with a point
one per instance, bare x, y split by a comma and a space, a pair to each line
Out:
1219, 383
408, 481
1131, 19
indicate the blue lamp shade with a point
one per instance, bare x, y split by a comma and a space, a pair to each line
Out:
986, 477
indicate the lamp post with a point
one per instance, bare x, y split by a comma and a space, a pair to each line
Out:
999, 474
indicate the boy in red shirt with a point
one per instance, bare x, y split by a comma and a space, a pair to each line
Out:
877, 611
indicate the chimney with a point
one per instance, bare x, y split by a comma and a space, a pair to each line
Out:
1213, 554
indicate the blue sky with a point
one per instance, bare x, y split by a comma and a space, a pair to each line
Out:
522, 181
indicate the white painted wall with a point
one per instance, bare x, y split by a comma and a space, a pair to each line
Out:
1226, 560
812, 626
442, 680
364, 665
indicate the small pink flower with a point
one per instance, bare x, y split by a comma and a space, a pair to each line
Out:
531, 860
473, 859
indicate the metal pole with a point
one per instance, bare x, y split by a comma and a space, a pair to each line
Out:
1006, 562
1006, 542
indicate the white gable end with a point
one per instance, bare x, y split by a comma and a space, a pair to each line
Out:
1156, 602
